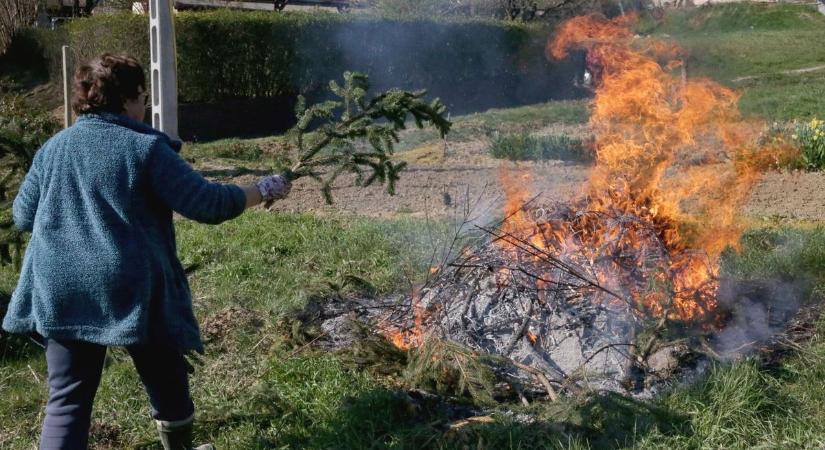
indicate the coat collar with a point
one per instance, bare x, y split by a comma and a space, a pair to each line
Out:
140, 127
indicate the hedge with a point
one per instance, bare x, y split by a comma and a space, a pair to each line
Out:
231, 54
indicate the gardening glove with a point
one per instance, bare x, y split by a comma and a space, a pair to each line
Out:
274, 187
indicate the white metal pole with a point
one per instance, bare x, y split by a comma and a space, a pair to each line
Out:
163, 67
67, 110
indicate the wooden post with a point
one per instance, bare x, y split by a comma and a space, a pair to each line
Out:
67, 109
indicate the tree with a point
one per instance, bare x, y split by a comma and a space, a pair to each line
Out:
520, 10
526, 10
14, 15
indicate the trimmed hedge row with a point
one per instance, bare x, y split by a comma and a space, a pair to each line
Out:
230, 54
239, 73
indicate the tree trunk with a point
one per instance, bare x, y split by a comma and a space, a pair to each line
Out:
14, 14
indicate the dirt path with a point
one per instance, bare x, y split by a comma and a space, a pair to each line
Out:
437, 191
439, 185
783, 72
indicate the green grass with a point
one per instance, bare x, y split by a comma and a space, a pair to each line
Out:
278, 261
785, 97
525, 147
270, 263
779, 251
726, 42
477, 126
730, 17
260, 388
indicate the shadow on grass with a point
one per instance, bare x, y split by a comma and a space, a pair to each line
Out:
380, 419
614, 421
14, 347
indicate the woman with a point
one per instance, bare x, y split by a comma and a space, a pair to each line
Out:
101, 267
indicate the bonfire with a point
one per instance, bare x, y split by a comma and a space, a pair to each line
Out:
619, 288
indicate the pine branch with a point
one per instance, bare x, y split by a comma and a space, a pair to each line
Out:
336, 146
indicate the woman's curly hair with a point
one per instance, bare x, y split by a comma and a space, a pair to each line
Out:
105, 83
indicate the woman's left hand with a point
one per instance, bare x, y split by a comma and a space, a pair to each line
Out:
274, 187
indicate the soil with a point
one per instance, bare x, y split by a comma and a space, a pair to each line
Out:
795, 195
439, 178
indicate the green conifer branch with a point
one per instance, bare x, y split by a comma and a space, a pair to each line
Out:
332, 149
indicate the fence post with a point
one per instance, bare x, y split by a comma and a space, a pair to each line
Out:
67, 110
163, 67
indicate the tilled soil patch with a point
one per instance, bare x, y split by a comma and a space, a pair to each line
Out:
436, 182
795, 195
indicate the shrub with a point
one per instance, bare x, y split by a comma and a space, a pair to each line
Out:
524, 147
811, 139
22, 132
230, 54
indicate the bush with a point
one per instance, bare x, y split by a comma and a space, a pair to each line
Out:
811, 139
22, 132
524, 147
230, 54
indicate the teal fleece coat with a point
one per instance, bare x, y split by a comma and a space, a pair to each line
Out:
101, 265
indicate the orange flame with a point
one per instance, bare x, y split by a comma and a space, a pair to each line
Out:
671, 152
414, 337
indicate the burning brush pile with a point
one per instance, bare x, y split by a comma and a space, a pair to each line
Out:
618, 289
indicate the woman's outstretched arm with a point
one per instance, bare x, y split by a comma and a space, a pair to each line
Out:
188, 193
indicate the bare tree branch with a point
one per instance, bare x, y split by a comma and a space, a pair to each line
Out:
14, 15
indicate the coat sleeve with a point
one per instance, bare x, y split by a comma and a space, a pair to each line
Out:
25, 204
187, 192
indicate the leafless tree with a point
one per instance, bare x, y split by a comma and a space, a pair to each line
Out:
15, 14
520, 10
526, 10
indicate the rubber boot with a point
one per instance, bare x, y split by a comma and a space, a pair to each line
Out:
178, 435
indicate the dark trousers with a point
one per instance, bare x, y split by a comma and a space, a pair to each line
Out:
74, 374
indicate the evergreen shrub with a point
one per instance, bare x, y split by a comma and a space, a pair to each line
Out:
233, 54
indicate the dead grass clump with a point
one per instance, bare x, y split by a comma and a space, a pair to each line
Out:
219, 325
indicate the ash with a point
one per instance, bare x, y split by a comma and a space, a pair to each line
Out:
567, 336
553, 328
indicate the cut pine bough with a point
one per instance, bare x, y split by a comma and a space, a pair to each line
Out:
358, 133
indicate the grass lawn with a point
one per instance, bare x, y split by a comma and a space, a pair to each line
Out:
258, 387
259, 153
726, 42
